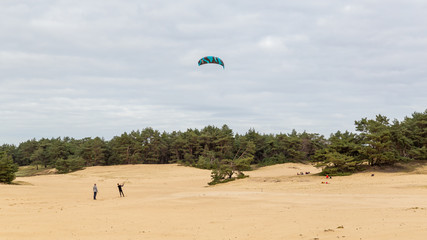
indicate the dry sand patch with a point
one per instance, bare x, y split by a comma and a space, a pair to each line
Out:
174, 202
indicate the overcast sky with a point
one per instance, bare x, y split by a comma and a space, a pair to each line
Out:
105, 67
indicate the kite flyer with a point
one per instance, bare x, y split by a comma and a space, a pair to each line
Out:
120, 189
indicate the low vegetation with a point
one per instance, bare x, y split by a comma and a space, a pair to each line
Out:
29, 171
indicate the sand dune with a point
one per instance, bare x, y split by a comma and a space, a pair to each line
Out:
174, 202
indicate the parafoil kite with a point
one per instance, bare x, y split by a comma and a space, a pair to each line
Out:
211, 59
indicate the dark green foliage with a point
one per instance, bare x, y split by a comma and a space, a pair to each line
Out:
342, 154
336, 163
7, 168
70, 164
223, 173
200, 148
24, 152
414, 131
207, 162
380, 142
277, 159
93, 151
219, 176
227, 168
378, 146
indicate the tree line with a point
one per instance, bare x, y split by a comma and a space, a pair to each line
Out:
378, 142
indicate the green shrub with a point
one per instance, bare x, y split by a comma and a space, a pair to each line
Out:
227, 168
339, 164
7, 168
206, 163
277, 159
71, 164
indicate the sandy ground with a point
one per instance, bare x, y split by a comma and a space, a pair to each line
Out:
174, 202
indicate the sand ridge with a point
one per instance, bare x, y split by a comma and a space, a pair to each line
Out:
175, 202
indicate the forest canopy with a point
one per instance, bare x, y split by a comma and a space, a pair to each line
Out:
378, 142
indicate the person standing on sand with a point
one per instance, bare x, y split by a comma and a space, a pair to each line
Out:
95, 191
120, 189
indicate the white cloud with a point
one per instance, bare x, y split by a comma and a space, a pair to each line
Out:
272, 43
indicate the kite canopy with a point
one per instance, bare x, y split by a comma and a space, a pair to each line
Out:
211, 59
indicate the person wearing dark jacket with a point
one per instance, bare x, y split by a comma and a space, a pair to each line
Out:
120, 189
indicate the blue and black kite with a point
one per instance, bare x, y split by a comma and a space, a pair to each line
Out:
211, 59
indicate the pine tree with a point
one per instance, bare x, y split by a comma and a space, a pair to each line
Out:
7, 168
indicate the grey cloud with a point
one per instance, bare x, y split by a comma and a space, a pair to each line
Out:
66, 67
